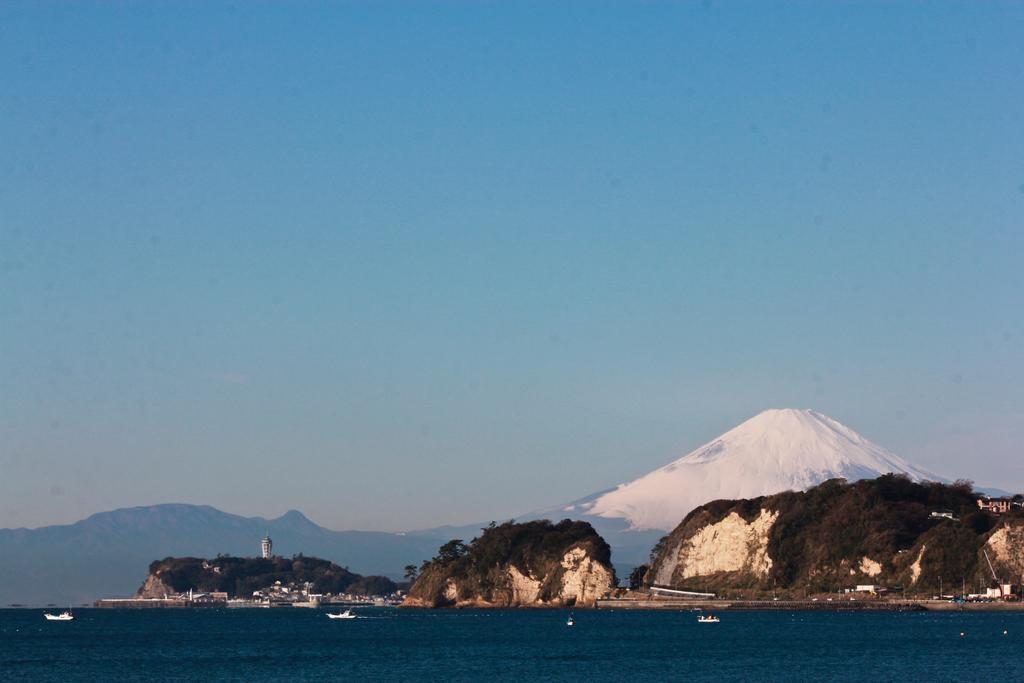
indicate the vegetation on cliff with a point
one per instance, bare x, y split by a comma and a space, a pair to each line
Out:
240, 576
879, 531
518, 564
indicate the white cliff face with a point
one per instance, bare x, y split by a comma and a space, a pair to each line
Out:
731, 545
915, 568
525, 589
1006, 548
775, 451
583, 579
870, 567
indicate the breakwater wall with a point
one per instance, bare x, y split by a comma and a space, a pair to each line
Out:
148, 603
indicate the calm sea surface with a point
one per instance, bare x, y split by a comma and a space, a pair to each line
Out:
391, 644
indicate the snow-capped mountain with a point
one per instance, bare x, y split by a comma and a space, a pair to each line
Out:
777, 450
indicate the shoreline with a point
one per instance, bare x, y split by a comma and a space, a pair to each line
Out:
634, 603
809, 605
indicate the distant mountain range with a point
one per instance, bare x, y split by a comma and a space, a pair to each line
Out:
108, 554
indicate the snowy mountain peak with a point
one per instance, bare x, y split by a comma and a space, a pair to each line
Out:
776, 450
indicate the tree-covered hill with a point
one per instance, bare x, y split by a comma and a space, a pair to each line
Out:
518, 564
240, 576
881, 531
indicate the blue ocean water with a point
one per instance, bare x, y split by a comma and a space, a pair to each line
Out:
519, 645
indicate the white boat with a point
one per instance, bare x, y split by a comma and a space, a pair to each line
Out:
63, 616
709, 619
347, 614
570, 621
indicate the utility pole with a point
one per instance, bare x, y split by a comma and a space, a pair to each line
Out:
994, 577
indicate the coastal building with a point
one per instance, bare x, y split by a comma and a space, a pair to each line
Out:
266, 546
995, 505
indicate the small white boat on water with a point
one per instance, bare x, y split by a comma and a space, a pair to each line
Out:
347, 614
570, 621
709, 619
63, 616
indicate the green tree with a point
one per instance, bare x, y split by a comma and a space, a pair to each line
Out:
658, 547
637, 576
452, 550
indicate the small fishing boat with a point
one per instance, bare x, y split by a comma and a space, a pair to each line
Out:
709, 619
570, 621
63, 616
347, 614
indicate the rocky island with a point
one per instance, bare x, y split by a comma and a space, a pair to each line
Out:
534, 564
300, 580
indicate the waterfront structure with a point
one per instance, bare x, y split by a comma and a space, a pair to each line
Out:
266, 545
673, 592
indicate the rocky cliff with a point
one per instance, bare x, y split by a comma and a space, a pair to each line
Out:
838, 534
154, 587
1005, 547
536, 564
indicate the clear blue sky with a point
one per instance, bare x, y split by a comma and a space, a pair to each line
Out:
402, 264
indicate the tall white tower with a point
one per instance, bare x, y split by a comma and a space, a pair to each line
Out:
266, 545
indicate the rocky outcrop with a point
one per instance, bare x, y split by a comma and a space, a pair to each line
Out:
536, 564
154, 587
837, 534
1005, 547
730, 545
525, 589
584, 579
869, 567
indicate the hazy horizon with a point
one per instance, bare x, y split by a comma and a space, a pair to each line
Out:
483, 519
399, 266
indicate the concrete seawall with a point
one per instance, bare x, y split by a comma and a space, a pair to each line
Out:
946, 606
151, 603
808, 605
